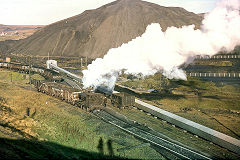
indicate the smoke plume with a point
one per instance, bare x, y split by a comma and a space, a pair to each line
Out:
157, 50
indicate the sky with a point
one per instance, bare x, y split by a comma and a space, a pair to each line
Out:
44, 12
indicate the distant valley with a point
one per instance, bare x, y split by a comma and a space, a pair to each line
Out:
16, 32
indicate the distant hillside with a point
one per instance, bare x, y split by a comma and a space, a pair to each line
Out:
15, 32
94, 32
8, 28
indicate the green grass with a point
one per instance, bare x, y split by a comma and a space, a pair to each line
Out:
83, 131
177, 134
60, 123
69, 68
194, 92
156, 81
199, 101
38, 77
7, 76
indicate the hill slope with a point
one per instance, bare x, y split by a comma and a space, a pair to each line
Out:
94, 32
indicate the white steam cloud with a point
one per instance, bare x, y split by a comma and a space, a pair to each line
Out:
166, 51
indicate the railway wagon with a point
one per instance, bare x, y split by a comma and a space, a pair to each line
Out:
46, 73
51, 75
1, 65
7, 65
12, 66
83, 99
69, 95
15, 66
36, 83
89, 100
122, 100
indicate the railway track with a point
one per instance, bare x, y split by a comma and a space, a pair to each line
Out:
176, 149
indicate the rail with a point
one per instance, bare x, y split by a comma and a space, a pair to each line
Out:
176, 149
214, 136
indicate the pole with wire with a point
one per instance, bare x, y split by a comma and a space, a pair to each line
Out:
29, 69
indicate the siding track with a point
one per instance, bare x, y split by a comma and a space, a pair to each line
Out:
176, 149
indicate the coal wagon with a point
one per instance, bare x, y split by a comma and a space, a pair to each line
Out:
90, 100
81, 98
62, 92
122, 100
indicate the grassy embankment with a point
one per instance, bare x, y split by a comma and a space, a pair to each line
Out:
214, 106
47, 120
201, 101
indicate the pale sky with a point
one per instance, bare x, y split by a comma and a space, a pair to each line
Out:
43, 12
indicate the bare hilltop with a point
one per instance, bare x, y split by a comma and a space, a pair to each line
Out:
93, 32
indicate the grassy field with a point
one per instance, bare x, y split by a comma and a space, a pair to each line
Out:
50, 122
176, 134
214, 105
53, 123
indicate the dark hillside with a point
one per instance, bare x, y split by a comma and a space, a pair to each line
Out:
6, 45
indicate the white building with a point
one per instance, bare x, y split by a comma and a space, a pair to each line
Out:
52, 62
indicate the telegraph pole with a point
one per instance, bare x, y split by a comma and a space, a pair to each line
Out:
81, 63
86, 62
11, 73
29, 71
